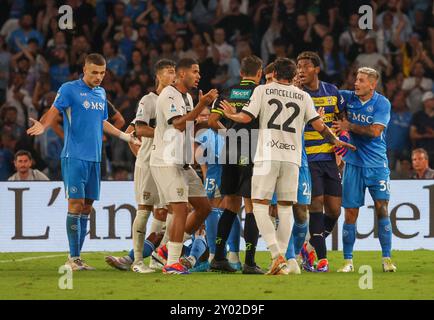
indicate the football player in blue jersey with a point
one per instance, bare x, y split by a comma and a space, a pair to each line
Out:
83, 104
368, 114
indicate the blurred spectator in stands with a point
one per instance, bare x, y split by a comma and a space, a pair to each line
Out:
42, 88
8, 122
422, 126
224, 8
17, 96
115, 62
7, 147
347, 38
333, 61
45, 14
207, 68
415, 87
421, 166
398, 131
219, 49
126, 38
402, 169
23, 163
391, 88
5, 60
59, 69
114, 21
182, 19
180, 48
386, 36
413, 52
24, 33
120, 173
79, 50
58, 41
135, 8
196, 42
235, 22
112, 86
203, 13
273, 32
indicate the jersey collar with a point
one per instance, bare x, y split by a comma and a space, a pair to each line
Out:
246, 82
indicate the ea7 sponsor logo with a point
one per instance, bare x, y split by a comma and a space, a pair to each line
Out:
280, 145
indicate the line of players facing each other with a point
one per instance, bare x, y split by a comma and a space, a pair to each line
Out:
234, 181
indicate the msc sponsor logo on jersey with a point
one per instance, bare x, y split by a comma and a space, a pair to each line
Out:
280, 145
240, 94
363, 118
93, 105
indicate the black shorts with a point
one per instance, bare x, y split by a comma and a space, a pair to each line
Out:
326, 178
237, 180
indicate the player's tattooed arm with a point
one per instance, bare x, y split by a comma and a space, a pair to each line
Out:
143, 130
373, 130
319, 125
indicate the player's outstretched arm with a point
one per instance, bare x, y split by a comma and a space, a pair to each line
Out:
113, 131
46, 120
230, 113
134, 148
325, 131
143, 130
180, 123
373, 130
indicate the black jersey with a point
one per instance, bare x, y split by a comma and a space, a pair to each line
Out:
238, 96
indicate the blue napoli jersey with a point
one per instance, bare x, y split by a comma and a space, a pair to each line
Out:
213, 143
84, 109
304, 161
371, 152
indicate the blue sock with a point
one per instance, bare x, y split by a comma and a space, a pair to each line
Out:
211, 224
84, 218
348, 239
234, 236
148, 247
73, 232
385, 236
290, 253
299, 232
198, 248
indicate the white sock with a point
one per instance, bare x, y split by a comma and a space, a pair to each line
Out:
266, 228
186, 237
139, 231
174, 252
273, 220
286, 220
156, 226
211, 256
233, 257
166, 233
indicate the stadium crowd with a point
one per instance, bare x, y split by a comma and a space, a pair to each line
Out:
36, 57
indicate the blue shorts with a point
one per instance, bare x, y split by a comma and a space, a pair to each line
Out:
357, 179
304, 186
213, 180
82, 179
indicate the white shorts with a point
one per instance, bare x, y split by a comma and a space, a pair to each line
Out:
175, 184
145, 188
275, 176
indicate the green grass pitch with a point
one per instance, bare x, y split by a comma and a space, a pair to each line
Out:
23, 277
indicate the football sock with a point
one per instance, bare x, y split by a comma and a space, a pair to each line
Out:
251, 236
299, 232
211, 224
329, 224
84, 218
266, 228
148, 247
348, 239
156, 226
284, 229
223, 229
385, 236
73, 233
166, 232
197, 249
174, 252
316, 229
290, 252
234, 236
139, 231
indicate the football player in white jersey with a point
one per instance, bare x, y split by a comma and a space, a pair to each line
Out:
283, 111
176, 181
146, 192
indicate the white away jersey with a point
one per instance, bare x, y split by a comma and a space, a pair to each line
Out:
146, 112
169, 143
283, 111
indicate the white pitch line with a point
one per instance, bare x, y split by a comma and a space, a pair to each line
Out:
32, 258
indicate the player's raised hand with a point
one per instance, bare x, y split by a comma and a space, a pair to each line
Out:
228, 109
341, 125
36, 129
321, 112
208, 98
134, 140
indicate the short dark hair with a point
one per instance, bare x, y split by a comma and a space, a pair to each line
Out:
250, 66
164, 63
269, 68
420, 150
23, 153
95, 58
310, 55
285, 69
185, 63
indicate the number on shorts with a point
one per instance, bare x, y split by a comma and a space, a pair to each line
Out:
209, 184
306, 189
385, 185
286, 125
